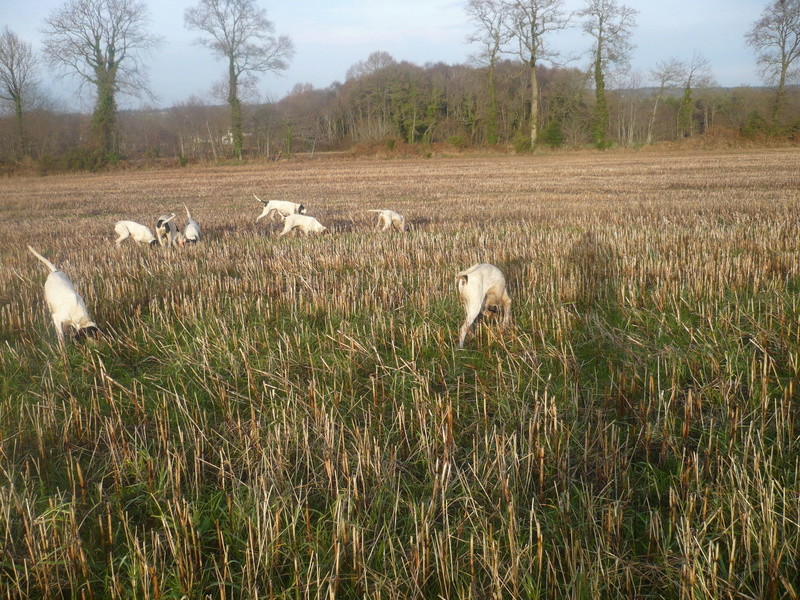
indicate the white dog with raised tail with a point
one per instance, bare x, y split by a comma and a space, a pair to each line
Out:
481, 286
191, 233
65, 304
283, 207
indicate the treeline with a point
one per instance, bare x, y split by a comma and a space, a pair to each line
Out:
511, 103
384, 103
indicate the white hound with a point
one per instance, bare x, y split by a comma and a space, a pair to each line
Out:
65, 304
191, 233
166, 230
304, 223
481, 286
135, 231
283, 207
390, 218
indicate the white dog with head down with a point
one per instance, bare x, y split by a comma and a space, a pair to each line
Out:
303, 223
136, 231
65, 304
481, 286
390, 218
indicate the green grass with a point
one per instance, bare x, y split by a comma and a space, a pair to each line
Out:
273, 418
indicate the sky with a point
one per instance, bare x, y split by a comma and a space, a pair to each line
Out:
331, 35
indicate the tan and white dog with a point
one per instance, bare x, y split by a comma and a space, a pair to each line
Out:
481, 286
136, 231
304, 223
65, 304
390, 218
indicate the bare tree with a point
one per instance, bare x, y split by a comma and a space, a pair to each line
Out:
365, 97
694, 72
489, 16
239, 32
775, 37
611, 25
103, 43
17, 67
529, 23
375, 62
667, 74
629, 101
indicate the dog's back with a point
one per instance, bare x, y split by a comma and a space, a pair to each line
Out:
165, 224
63, 301
306, 224
140, 233
485, 279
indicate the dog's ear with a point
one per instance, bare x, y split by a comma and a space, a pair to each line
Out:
89, 332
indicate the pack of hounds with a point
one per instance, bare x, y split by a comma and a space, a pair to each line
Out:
481, 288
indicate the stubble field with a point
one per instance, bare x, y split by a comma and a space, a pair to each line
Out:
291, 418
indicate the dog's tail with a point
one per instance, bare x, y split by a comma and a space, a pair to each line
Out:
375, 210
50, 265
259, 199
188, 214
